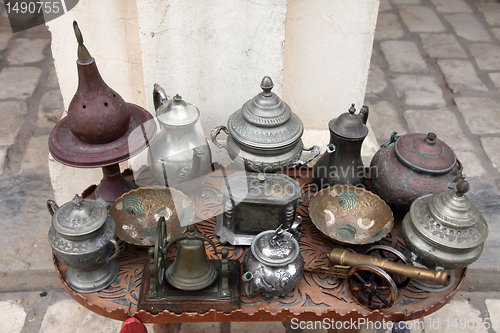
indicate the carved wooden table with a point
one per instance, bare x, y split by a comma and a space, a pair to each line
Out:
315, 298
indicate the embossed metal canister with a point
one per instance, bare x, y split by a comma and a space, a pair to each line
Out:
264, 135
82, 236
445, 230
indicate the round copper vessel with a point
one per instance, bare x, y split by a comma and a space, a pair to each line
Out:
411, 166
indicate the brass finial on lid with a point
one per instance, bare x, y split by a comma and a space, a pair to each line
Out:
267, 85
83, 54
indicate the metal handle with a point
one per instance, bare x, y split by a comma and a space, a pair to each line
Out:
52, 207
159, 96
117, 249
315, 151
215, 132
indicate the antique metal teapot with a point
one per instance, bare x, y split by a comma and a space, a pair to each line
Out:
179, 153
82, 236
445, 230
264, 135
413, 165
342, 164
273, 265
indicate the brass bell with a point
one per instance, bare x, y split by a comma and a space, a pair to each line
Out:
191, 269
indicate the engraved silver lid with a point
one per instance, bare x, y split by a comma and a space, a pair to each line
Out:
275, 247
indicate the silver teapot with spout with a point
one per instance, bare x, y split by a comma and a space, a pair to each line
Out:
342, 164
179, 153
273, 265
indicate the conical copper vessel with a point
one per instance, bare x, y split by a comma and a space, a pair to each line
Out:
97, 114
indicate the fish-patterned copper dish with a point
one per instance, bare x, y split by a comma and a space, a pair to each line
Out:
136, 214
350, 215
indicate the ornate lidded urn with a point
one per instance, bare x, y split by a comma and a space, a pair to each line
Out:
445, 230
82, 236
264, 135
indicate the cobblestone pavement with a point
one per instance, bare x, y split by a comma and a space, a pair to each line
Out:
435, 67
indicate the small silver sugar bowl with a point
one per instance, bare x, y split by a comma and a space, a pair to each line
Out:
82, 237
273, 265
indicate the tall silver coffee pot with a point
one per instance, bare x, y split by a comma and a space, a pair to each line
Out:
179, 153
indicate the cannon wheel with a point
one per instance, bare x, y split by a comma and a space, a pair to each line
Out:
389, 253
372, 287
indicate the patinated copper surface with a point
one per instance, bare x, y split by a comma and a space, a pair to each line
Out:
316, 296
67, 149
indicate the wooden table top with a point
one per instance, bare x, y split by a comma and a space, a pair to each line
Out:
316, 296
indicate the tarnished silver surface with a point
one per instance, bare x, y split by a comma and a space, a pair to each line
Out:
341, 163
82, 236
273, 265
264, 135
445, 230
254, 203
179, 153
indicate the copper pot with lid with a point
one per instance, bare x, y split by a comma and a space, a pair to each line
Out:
413, 165
264, 135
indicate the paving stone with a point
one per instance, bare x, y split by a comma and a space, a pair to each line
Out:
418, 90
200, 327
3, 157
403, 56
442, 46
451, 6
13, 316
491, 148
496, 32
480, 114
493, 306
443, 123
468, 26
5, 37
50, 109
12, 116
442, 320
36, 155
68, 315
460, 75
385, 6
384, 120
491, 11
263, 327
495, 77
52, 81
388, 27
415, 326
25, 51
376, 79
471, 163
421, 19
487, 55
18, 82
407, 2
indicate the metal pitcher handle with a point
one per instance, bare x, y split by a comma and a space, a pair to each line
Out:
117, 250
159, 96
52, 207
215, 132
315, 151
